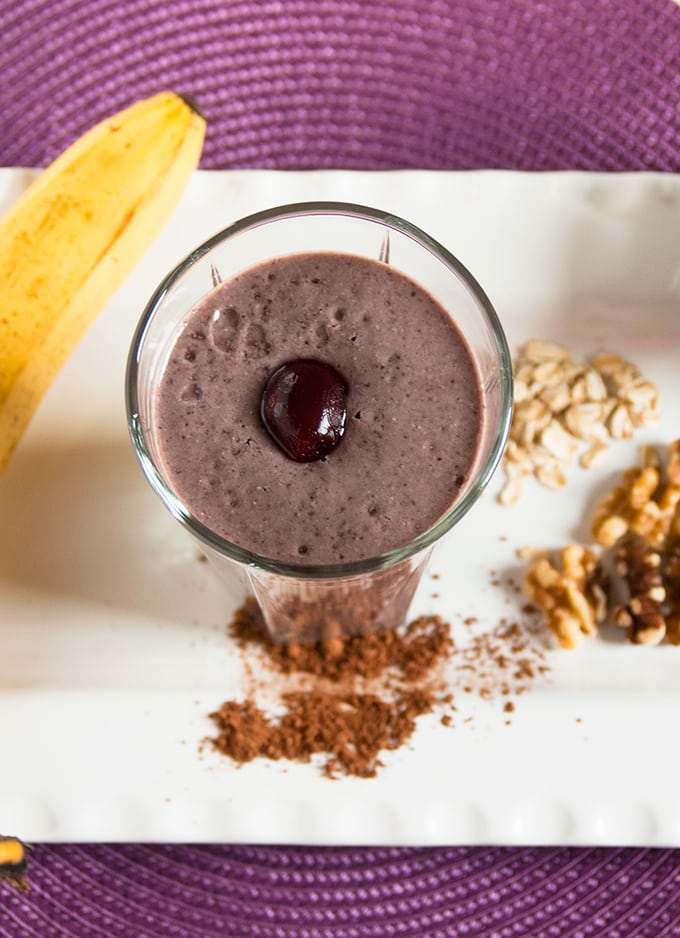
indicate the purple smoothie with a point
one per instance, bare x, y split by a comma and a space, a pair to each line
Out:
414, 421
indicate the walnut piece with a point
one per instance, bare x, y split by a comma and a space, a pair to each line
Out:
627, 507
672, 584
571, 597
638, 565
644, 503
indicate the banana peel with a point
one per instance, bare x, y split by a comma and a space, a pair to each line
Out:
72, 238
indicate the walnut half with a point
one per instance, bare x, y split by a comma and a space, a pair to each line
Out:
644, 503
672, 584
572, 598
639, 566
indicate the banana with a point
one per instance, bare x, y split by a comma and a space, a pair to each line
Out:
72, 238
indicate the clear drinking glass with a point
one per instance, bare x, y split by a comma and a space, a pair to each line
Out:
302, 602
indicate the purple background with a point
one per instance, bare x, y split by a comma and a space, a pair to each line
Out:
441, 84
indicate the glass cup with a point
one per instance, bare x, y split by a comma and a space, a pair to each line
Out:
303, 602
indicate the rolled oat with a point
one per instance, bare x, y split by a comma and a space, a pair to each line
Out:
562, 402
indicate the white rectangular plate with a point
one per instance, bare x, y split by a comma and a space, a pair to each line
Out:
113, 647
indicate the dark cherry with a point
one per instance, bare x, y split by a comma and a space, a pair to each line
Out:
304, 408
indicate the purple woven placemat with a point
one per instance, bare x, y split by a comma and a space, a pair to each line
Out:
264, 892
442, 84
521, 84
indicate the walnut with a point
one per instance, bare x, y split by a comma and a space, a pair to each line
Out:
673, 536
639, 566
673, 468
645, 502
671, 579
570, 598
626, 508
638, 525
668, 499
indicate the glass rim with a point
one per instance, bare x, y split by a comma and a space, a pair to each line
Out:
333, 570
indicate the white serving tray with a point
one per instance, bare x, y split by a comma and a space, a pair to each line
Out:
112, 636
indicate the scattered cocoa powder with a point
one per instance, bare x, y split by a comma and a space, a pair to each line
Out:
348, 701
412, 652
355, 698
505, 660
349, 730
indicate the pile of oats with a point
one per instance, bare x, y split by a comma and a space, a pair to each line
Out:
567, 409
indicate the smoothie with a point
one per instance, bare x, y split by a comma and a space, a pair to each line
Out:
414, 419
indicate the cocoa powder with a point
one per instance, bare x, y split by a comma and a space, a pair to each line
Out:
505, 660
356, 698
412, 652
349, 730
348, 701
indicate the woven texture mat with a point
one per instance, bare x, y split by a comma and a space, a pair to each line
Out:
440, 84
255, 892
520, 84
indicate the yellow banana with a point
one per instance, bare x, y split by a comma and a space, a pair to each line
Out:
72, 238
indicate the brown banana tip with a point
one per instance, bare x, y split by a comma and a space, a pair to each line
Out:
193, 104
